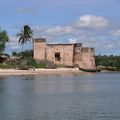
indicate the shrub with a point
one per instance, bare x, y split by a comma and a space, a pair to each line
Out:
6, 66
32, 63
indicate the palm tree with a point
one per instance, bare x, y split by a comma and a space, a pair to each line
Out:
25, 35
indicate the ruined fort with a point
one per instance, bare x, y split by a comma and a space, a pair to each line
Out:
67, 54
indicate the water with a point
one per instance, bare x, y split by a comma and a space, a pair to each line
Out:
74, 97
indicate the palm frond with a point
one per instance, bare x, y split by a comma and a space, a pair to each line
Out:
25, 35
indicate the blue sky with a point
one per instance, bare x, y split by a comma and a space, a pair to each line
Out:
95, 23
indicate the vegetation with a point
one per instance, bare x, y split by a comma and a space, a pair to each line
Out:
25, 35
22, 59
23, 63
27, 60
24, 54
32, 63
110, 62
103, 61
5, 66
3, 39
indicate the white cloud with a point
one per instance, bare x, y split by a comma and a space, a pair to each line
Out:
72, 30
76, 28
92, 21
87, 33
70, 40
59, 30
13, 44
116, 33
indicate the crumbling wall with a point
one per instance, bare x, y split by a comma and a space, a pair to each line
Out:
65, 51
78, 56
51, 50
39, 49
49, 53
88, 57
68, 54
84, 57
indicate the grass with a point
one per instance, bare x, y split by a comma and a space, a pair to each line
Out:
7, 66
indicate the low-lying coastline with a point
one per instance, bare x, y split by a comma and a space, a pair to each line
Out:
43, 71
39, 71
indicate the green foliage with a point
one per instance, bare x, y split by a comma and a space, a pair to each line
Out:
3, 39
31, 62
27, 59
112, 61
7, 66
25, 35
61, 66
14, 53
24, 54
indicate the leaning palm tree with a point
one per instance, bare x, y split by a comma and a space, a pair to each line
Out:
25, 35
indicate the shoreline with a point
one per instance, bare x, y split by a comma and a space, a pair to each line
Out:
40, 71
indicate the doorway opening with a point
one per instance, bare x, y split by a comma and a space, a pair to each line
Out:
57, 57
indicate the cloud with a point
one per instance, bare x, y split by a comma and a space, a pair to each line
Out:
116, 33
77, 27
13, 44
92, 31
92, 21
70, 40
27, 10
85, 25
59, 30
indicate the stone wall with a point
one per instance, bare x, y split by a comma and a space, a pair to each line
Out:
39, 49
88, 57
84, 57
67, 54
64, 50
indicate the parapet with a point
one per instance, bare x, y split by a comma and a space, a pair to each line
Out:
78, 44
87, 49
39, 40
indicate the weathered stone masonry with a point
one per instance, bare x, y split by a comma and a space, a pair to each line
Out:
67, 54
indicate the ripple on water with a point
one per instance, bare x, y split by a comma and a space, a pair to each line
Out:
84, 97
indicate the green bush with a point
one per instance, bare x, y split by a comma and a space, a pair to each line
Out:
24, 54
61, 66
112, 61
6, 66
32, 63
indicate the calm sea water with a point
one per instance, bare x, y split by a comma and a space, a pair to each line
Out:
70, 97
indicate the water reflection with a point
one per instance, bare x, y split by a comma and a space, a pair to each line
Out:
2, 84
86, 97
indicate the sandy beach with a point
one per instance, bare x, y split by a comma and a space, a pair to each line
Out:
40, 71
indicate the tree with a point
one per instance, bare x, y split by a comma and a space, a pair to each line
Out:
24, 54
3, 39
25, 35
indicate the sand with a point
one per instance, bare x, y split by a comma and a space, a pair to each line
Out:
40, 71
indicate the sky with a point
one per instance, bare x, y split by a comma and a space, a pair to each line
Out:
94, 23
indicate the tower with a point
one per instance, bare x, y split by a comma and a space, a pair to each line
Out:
39, 49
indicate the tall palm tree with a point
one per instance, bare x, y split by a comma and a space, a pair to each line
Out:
25, 35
